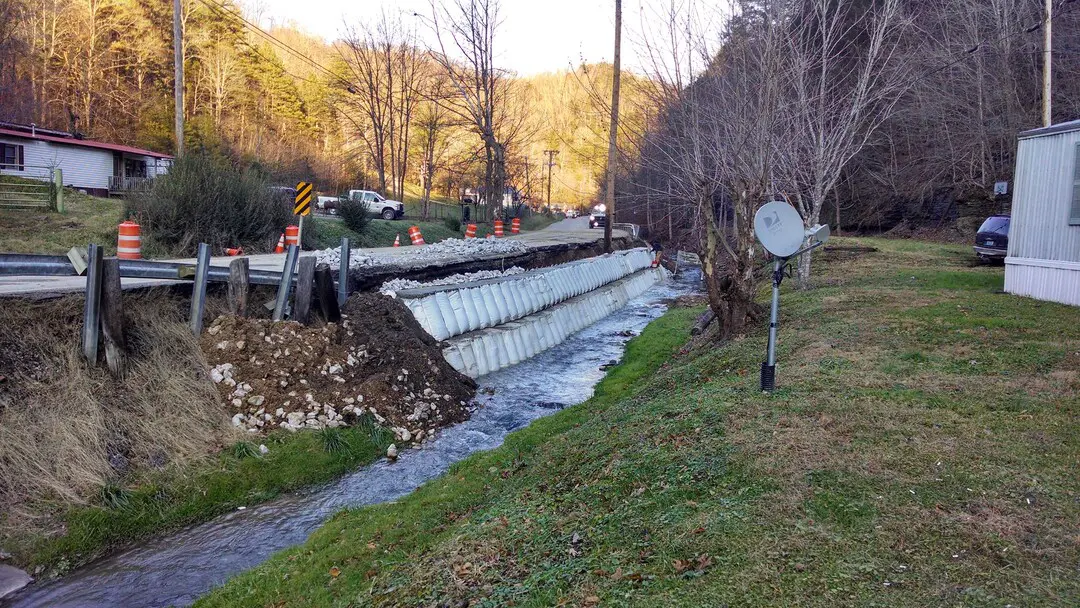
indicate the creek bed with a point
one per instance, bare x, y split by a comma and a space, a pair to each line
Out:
176, 569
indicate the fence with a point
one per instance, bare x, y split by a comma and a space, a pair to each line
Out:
35, 187
103, 311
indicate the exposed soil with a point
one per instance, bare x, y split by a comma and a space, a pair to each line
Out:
377, 361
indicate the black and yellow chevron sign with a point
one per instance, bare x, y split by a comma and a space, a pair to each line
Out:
303, 198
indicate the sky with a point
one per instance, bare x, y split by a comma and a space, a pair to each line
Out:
536, 35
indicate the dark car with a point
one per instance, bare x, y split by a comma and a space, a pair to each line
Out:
992, 240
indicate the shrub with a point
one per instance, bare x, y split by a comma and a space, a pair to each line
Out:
206, 199
453, 223
355, 215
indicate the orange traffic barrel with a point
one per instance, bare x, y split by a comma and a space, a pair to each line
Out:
280, 244
129, 241
414, 234
470, 231
515, 225
292, 235
498, 228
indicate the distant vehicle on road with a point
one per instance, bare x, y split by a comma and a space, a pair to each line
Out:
992, 239
598, 217
327, 203
376, 204
469, 196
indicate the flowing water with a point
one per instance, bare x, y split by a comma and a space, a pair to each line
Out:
178, 568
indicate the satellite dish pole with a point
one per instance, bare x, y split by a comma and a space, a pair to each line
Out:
779, 228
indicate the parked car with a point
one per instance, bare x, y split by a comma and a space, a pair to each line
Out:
376, 204
327, 203
469, 196
992, 239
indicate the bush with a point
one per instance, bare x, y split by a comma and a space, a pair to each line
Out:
453, 224
355, 215
205, 199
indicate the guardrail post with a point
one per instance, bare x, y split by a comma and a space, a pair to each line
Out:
198, 292
92, 309
239, 281
305, 280
112, 317
58, 189
286, 282
343, 272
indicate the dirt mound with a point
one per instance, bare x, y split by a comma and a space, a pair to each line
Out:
378, 360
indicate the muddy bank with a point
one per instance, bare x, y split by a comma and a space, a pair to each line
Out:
377, 361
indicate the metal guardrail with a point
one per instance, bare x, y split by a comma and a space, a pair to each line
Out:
35, 265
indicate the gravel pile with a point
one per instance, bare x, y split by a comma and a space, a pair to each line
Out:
332, 257
377, 362
393, 286
470, 247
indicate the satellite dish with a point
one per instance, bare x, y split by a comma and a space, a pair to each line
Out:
779, 228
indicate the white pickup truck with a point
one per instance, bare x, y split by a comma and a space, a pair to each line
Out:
373, 201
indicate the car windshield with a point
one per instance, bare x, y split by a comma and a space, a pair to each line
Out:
996, 224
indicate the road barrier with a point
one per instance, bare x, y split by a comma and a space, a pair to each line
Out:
498, 229
129, 241
515, 226
470, 231
292, 235
415, 235
445, 311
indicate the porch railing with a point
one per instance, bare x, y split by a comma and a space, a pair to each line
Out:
121, 184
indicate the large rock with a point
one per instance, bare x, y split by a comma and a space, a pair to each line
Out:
12, 579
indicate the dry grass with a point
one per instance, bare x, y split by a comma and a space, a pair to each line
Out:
68, 429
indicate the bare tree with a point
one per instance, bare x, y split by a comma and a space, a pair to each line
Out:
843, 77
467, 29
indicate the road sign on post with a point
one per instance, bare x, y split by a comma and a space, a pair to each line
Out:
302, 206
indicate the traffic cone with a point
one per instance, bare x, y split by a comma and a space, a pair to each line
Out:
233, 251
280, 244
397, 240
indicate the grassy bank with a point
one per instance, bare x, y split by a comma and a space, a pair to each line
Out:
236, 477
922, 450
87, 219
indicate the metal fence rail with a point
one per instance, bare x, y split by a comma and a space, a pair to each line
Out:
35, 265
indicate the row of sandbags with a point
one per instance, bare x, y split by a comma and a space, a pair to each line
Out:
454, 311
492, 349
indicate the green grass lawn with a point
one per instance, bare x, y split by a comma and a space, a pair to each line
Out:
921, 450
87, 219
169, 500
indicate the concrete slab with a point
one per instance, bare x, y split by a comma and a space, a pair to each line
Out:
12, 579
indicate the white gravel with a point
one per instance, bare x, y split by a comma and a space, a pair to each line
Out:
449, 249
393, 286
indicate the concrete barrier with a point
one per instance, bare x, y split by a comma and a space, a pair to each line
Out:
483, 351
446, 311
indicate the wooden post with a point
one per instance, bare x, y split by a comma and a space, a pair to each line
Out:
92, 309
198, 292
112, 317
58, 189
324, 289
305, 281
239, 286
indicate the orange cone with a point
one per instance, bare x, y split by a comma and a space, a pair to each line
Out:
233, 251
397, 240
280, 244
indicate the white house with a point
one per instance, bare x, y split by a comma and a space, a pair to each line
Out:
99, 168
1044, 235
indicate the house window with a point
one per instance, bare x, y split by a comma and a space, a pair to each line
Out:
1074, 210
134, 167
12, 157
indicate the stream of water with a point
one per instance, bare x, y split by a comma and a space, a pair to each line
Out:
176, 569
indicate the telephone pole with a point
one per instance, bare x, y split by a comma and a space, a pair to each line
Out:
612, 161
178, 76
1048, 39
549, 164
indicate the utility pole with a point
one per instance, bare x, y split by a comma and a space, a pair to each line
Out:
178, 76
550, 163
1048, 39
612, 162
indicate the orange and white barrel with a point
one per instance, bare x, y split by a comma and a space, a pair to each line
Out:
515, 226
292, 235
498, 228
470, 231
414, 234
129, 241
